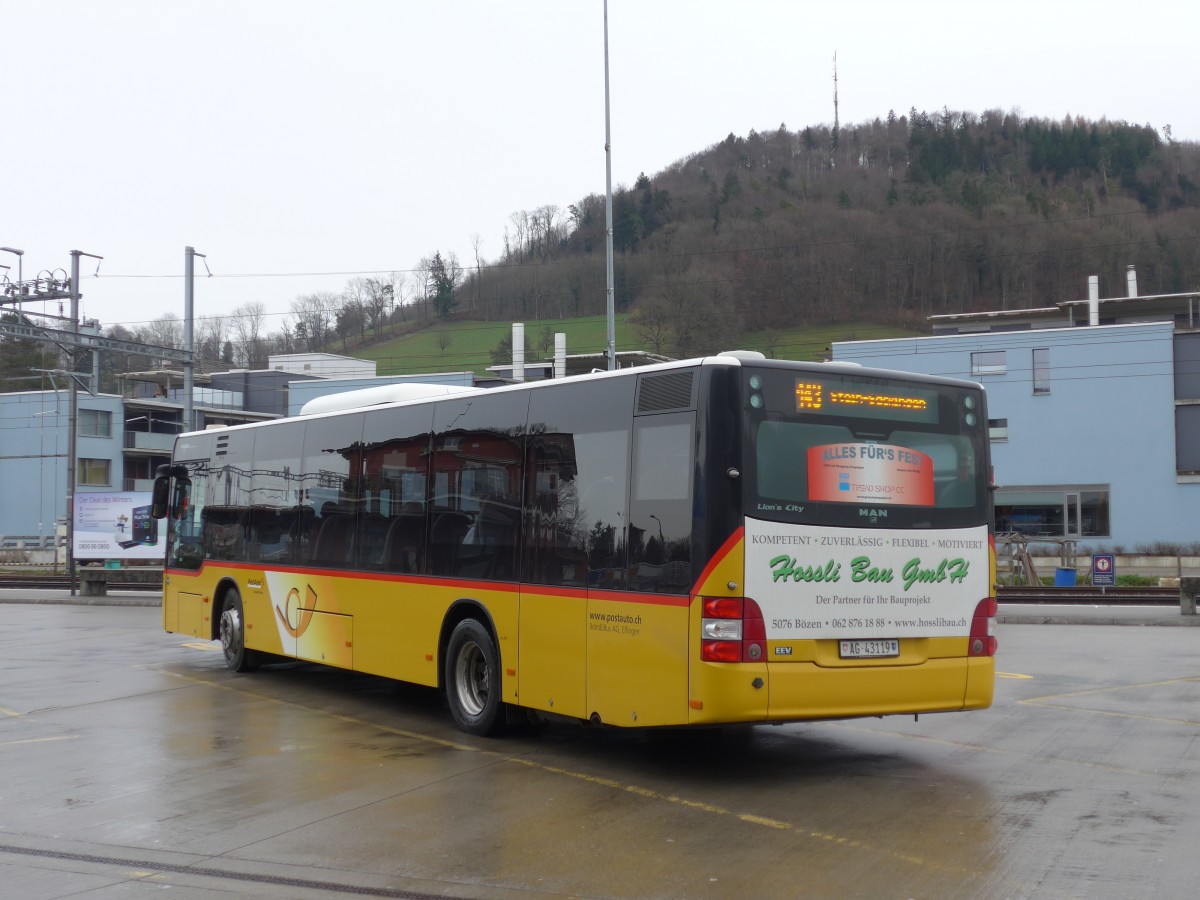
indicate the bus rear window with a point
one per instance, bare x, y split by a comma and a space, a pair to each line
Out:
864, 451
798, 463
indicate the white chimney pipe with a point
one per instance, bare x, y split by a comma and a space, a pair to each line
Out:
518, 351
1093, 299
560, 354
1131, 281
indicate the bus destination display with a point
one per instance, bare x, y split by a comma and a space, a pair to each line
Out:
838, 397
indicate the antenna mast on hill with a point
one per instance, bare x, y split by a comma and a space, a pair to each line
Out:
834, 137
835, 109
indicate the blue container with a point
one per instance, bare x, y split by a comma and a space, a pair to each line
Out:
1064, 577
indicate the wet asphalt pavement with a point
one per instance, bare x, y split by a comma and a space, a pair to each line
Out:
135, 762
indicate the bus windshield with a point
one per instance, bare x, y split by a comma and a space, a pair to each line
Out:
863, 451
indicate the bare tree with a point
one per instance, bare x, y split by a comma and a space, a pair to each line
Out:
165, 331
521, 226
314, 315
350, 319
282, 341
377, 297
399, 283
476, 243
247, 325
354, 310
545, 228
690, 311
211, 334
654, 323
423, 285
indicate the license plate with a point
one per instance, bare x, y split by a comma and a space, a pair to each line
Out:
868, 649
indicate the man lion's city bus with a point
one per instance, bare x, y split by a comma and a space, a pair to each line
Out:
715, 541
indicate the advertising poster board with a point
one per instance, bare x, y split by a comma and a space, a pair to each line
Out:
115, 526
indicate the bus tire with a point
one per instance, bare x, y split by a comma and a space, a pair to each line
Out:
232, 632
473, 679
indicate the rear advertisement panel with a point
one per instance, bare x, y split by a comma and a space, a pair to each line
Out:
813, 581
115, 526
870, 473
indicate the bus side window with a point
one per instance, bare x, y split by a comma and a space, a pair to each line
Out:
404, 543
334, 545
577, 487
660, 512
187, 551
445, 540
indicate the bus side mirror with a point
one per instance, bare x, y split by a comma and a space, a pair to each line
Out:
162, 494
158, 499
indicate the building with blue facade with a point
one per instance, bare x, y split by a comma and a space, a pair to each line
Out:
123, 438
1094, 415
33, 457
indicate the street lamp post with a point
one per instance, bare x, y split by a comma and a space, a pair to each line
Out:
73, 414
610, 302
189, 279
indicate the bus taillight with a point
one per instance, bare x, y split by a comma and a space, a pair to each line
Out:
983, 629
732, 630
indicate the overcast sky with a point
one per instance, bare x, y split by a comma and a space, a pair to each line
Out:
301, 143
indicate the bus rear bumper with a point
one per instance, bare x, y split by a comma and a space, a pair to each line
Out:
805, 691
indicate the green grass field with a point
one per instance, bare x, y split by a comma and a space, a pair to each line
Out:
467, 346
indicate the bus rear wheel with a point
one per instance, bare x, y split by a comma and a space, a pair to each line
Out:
472, 679
232, 631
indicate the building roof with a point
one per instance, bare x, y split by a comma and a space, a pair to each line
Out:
1142, 308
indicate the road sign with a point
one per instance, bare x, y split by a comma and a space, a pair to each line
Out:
1104, 570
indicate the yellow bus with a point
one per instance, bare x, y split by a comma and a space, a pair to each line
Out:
723, 540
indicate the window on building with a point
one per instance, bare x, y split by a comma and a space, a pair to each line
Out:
1187, 439
998, 429
1041, 371
95, 423
92, 471
1187, 365
1057, 511
988, 362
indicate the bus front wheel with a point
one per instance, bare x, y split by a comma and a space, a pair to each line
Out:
233, 634
473, 678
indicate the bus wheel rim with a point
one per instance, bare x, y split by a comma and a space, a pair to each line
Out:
231, 632
471, 679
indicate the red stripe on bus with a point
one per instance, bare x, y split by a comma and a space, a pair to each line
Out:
546, 590
650, 599
354, 574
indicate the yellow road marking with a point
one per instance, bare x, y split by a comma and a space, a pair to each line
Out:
206, 682
211, 646
980, 748
1012, 675
748, 818
5, 711
1047, 701
61, 737
1112, 688
1115, 715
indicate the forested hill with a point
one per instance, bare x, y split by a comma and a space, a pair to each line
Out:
888, 221
885, 222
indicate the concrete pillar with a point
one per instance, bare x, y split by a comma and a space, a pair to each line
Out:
1189, 587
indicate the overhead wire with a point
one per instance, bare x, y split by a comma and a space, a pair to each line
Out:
550, 296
